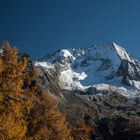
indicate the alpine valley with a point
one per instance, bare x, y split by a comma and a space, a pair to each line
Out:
99, 84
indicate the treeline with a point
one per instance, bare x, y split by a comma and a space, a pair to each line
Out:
25, 114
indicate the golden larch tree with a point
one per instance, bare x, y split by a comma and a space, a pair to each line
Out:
13, 102
47, 122
81, 132
23, 114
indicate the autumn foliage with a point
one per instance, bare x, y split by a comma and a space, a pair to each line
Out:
81, 131
12, 103
46, 122
23, 114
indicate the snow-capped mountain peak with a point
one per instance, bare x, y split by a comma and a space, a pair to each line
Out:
81, 68
103, 51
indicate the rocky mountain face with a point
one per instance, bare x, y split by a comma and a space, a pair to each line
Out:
100, 83
80, 69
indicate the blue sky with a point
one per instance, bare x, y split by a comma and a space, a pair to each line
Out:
39, 27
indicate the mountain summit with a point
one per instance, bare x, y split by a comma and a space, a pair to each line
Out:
97, 66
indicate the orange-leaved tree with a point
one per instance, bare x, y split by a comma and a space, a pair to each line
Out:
47, 122
81, 132
13, 101
23, 115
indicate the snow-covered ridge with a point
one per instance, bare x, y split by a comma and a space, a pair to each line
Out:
82, 68
95, 51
